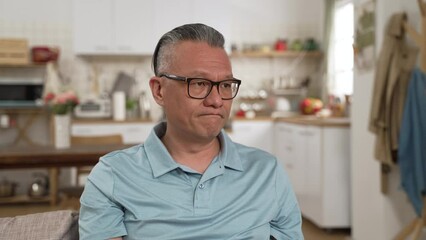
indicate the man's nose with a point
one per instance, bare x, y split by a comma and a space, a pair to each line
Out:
214, 97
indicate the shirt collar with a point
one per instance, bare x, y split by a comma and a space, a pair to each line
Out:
162, 162
159, 158
229, 153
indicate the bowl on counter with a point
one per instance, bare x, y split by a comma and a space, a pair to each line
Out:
7, 188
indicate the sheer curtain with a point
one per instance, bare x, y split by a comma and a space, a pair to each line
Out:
338, 47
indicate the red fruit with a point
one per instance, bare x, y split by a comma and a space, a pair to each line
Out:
310, 105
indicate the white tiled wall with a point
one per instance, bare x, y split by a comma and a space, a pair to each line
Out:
48, 22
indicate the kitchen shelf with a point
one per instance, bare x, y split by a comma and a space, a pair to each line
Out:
24, 199
275, 54
28, 65
109, 120
289, 91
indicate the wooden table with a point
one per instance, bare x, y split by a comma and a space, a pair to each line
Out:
27, 157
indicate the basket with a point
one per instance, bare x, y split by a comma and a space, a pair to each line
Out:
14, 51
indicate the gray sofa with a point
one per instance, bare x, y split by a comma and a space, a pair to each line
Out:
52, 225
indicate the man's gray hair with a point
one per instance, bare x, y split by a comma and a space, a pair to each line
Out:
163, 54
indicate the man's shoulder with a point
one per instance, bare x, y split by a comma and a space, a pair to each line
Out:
244, 149
120, 156
248, 153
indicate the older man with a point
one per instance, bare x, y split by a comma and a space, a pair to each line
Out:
188, 180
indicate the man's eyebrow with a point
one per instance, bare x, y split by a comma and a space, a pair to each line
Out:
201, 74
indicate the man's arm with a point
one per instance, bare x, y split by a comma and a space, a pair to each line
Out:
101, 217
288, 222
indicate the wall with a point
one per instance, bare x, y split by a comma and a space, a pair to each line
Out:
374, 215
49, 22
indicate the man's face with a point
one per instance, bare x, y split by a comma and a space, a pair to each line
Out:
195, 119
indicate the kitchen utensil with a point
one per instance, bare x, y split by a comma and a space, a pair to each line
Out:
7, 189
123, 83
42, 54
94, 108
40, 186
282, 104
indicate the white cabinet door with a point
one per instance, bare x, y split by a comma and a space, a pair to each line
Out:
133, 27
284, 144
301, 149
216, 14
286, 147
114, 27
254, 134
93, 26
311, 199
317, 162
170, 14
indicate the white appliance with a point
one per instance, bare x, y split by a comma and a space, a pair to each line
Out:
94, 108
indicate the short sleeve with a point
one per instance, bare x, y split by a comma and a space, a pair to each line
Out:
288, 222
101, 217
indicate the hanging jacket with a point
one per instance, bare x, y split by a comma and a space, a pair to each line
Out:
412, 148
394, 64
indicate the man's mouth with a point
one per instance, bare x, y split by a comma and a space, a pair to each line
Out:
212, 115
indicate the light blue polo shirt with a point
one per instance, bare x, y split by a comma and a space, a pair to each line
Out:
142, 193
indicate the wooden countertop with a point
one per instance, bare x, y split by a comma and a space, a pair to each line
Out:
263, 118
316, 121
109, 121
48, 156
303, 120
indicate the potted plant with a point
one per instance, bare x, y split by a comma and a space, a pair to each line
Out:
61, 105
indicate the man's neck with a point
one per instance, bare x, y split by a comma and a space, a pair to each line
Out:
195, 155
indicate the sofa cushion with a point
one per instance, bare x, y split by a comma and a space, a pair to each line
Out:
47, 225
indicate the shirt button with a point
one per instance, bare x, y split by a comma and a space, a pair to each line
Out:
201, 186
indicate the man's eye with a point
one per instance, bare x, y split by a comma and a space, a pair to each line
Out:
226, 85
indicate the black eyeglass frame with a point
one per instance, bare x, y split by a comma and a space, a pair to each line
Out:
188, 81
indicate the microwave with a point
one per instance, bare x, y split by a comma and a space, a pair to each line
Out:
21, 94
94, 108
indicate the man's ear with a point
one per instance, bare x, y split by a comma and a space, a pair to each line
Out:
157, 89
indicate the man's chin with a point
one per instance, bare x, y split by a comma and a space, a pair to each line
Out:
213, 132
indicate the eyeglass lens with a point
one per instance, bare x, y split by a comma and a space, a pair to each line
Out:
200, 88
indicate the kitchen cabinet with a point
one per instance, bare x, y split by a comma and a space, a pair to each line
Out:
118, 27
253, 133
316, 158
132, 132
133, 27
278, 54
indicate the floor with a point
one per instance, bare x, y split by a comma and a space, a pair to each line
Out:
310, 231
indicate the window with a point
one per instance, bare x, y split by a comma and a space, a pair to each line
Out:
340, 54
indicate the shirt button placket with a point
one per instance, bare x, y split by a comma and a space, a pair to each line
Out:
202, 200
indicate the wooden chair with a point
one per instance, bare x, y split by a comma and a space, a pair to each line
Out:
71, 195
93, 140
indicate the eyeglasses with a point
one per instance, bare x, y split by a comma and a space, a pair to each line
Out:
200, 88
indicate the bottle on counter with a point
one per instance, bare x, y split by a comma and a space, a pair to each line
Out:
144, 106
